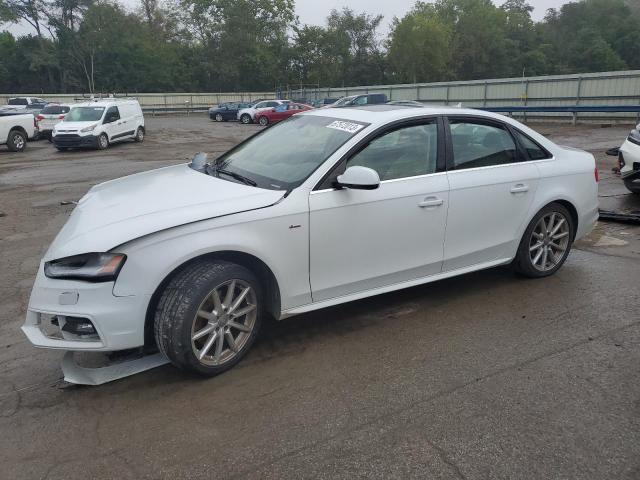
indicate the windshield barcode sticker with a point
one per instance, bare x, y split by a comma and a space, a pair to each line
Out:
346, 126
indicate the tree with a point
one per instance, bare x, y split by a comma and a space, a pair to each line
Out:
418, 46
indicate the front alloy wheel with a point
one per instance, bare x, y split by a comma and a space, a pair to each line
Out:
208, 316
219, 117
224, 322
245, 118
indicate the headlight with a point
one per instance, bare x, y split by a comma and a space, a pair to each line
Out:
89, 128
91, 267
634, 137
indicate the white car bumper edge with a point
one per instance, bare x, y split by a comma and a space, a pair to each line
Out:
118, 321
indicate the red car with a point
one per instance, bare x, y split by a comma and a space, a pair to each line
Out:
281, 112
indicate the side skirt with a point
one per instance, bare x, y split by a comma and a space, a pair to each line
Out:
391, 288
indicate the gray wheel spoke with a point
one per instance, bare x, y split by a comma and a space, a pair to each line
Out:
560, 235
552, 219
555, 246
535, 247
537, 257
239, 300
201, 333
219, 346
231, 341
207, 346
239, 326
544, 257
217, 304
243, 311
210, 316
230, 291
557, 227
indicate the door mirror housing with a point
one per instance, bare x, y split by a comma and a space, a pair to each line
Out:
359, 178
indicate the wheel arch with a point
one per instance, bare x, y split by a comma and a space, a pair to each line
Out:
257, 266
20, 129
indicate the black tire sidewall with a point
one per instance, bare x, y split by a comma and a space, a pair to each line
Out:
188, 291
522, 262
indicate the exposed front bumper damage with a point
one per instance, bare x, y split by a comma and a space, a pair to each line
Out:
56, 307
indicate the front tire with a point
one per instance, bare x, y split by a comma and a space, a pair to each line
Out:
546, 242
139, 135
208, 316
245, 118
264, 121
103, 141
17, 141
219, 117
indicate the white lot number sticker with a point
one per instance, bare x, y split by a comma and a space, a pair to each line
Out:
345, 126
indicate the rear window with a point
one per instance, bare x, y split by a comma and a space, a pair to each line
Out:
17, 101
55, 110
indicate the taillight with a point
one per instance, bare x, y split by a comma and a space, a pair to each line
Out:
39, 117
596, 174
61, 117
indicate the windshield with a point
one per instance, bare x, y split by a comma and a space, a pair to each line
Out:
283, 156
18, 101
84, 114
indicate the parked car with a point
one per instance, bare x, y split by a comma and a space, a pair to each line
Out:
25, 103
281, 112
359, 100
50, 116
331, 206
247, 115
629, 161
16, 129
97, 124
227, 111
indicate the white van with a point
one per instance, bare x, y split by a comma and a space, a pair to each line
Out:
99, 123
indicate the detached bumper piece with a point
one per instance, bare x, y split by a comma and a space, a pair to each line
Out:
124, 367
75, 141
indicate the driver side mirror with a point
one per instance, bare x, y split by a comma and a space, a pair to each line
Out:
359, 178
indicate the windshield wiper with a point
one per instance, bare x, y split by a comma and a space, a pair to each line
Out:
237, 176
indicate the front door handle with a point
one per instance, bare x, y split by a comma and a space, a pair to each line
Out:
520, 188
431, 202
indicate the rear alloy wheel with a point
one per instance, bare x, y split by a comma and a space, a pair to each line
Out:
219, 117
546, 242
17, 141
103, 141
264, 121
139, 135
245, 118
208, 316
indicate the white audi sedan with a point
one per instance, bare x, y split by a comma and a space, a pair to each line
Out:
330, 206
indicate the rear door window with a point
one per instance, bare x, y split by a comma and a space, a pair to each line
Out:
479, 144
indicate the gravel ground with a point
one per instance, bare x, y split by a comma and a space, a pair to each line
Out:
481, 376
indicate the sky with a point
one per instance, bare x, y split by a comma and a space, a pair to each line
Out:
314, 12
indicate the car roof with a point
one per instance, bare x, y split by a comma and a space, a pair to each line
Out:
385, 113
104, 103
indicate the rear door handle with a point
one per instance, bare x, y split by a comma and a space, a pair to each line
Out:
431, 202
519, 188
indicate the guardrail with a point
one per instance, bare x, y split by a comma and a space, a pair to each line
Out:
572, 109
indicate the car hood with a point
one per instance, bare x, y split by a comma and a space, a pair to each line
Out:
118, 211
74, 126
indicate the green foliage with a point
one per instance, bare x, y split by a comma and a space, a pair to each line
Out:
239, 45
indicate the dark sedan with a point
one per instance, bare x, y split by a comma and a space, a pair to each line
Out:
227, 111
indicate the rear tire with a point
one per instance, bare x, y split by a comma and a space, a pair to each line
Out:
633, 187
546, 242
16, 141
139, 135
245, 118
206, 332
